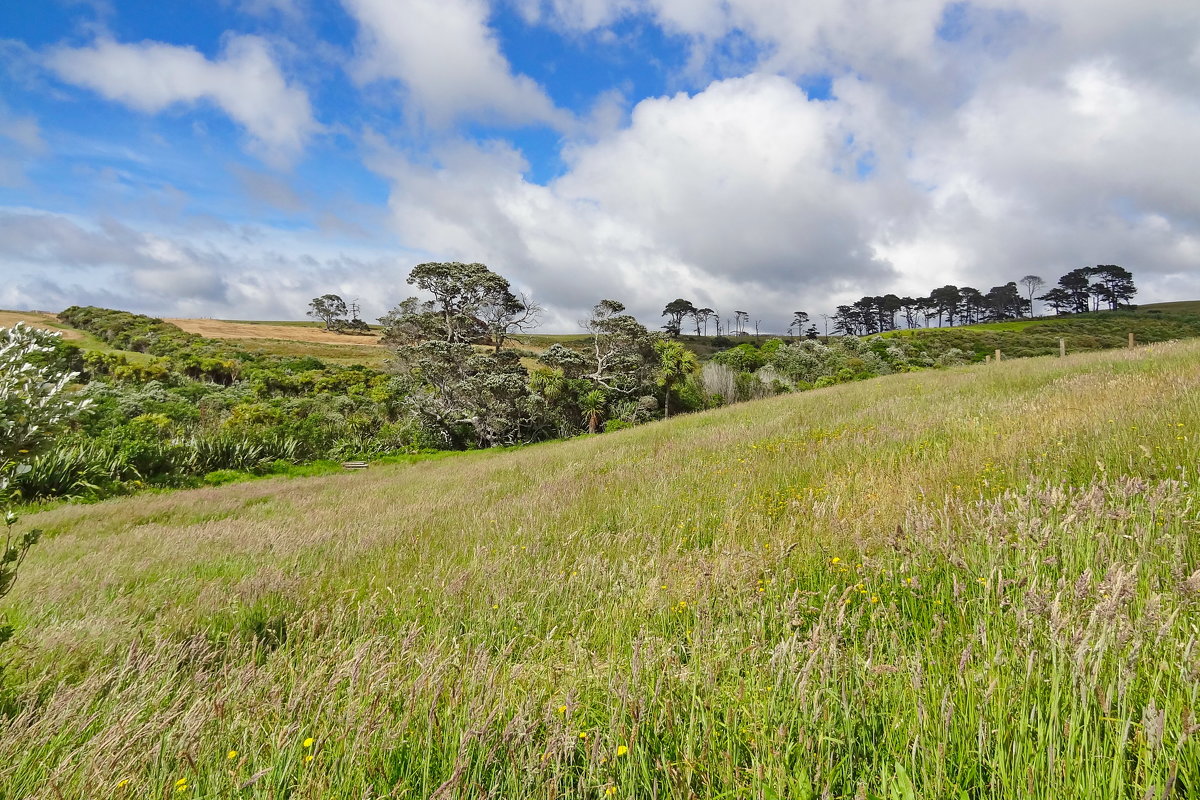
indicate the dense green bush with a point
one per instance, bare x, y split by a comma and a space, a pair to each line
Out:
203, 405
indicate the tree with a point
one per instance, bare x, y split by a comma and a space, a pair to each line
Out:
620, 355
460, 292
1031, 283
701, 316
675, 364
411, 322
1057, 298
1118, 285
34, 406
475, 399
740, 318
866, 315
1005, 302
799, 320
503, 313
886, 308
847, 321
592, 405
675, 311
972, 305
1078, 286
330, 309
946, 302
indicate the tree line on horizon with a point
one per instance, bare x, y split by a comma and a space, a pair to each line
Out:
498, 312
1079, 291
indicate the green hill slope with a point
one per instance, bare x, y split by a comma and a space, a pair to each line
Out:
978, 582
1038, 337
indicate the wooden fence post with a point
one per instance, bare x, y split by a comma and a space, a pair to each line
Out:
1131, 338
997, 355
1062, 348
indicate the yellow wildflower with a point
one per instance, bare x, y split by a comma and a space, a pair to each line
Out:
610, 791
123, 783
231, 755
621, 750
583, 734
562, 709
308, 742
307, 759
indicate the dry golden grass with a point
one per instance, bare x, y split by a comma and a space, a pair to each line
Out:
219, 329
976, 580
38, 319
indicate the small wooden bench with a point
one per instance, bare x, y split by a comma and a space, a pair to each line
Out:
355, 464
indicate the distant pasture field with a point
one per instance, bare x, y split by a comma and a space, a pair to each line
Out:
297, 332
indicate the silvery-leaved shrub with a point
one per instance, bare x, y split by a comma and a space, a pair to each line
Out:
35, 404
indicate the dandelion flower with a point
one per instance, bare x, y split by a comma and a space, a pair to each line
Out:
307, 759
181, 782
583, 734
874, 598
123, 783
308, 742
231, 755
610, 791
622, 750
562, 709
835, 560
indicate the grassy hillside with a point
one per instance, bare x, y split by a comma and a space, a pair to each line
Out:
979, 582
82, 339
1176, 307
1022, 338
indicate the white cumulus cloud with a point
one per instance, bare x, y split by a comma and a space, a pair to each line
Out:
448, 60
244, 82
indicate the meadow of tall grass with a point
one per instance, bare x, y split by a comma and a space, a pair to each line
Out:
974, 583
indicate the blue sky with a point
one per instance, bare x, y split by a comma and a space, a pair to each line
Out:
236, 158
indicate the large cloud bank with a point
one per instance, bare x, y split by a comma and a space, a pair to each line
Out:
964, 142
